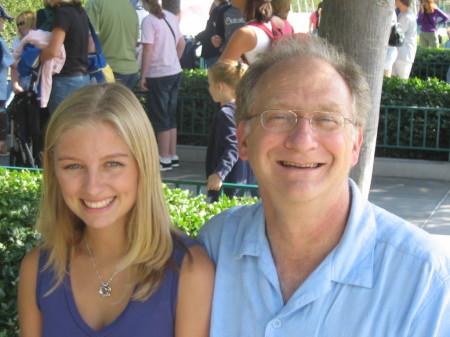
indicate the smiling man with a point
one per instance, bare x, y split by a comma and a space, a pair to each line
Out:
314, 258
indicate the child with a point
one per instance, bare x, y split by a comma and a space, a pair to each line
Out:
6, 60
222, 159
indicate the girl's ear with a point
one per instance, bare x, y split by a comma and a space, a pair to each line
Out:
220, 85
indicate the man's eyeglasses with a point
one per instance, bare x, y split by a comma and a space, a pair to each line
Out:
280, 120
21, 23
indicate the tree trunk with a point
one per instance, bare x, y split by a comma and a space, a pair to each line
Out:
361, 28
172, 6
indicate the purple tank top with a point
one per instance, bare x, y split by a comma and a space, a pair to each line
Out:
154, 317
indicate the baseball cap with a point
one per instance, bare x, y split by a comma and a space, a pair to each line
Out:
5, 15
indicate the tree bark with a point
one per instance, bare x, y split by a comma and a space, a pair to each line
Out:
361, 29
172, 6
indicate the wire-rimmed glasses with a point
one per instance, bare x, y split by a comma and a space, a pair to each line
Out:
284, 120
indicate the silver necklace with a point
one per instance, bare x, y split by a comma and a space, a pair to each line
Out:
105, 289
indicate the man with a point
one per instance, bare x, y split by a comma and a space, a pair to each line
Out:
407, 52
314, 258
117, 26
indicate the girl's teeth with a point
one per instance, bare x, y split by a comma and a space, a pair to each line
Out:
99, 204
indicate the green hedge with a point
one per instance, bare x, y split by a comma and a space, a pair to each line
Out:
19, 195
431, 62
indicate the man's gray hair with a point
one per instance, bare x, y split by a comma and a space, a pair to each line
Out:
297, 47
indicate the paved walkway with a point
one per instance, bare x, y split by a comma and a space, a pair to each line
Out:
425, 203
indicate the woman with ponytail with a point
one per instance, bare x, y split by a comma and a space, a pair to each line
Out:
249, 41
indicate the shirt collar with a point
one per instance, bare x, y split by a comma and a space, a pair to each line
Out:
353, 257
254, 240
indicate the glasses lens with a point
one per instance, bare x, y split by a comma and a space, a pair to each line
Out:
327, 120
21, 23
278, 120
285, 120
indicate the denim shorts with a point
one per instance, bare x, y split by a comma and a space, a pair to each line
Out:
63, 87
162, 96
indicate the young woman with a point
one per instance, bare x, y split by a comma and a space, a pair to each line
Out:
430, 17
249, 41
111, 262
222, 159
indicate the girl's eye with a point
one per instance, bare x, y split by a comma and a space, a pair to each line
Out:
113, 164
72, 166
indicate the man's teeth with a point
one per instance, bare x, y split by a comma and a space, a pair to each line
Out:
288, 163
99, 204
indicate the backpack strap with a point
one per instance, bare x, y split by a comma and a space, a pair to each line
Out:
274, 34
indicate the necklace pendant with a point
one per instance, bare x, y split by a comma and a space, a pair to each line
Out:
104, 290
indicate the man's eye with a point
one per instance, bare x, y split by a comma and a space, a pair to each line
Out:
280, 117
326, 120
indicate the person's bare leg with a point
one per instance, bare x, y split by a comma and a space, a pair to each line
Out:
173, 142
164, 139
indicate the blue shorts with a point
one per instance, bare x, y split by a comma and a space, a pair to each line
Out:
162, 97
63, 87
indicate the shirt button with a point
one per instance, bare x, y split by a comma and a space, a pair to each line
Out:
276, 323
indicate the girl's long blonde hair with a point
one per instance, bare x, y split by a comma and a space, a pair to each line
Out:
149, 230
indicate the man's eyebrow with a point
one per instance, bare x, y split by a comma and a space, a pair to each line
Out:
280, 104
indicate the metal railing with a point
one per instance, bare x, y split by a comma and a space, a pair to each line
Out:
426, 70
198, 186
400, 127
414, 128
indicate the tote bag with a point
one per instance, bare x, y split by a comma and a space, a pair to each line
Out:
99, 70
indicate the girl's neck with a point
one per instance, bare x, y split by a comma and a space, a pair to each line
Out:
226, 101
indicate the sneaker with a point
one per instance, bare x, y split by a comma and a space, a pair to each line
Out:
175, 161
164, 166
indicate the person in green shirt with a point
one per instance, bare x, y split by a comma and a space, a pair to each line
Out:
117, 26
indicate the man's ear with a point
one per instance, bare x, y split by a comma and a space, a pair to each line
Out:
242, 134
357, 143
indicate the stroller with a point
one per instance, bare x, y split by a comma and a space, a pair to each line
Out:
27, 120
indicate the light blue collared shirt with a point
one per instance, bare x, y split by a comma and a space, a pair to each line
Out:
385, 278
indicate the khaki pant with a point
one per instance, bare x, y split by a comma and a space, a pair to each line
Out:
429, 40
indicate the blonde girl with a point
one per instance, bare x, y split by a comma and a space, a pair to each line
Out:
222, 159
111, 263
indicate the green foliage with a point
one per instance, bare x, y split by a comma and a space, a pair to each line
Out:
189, 212
19, 197
18, 204
194, 83
421, 128
431, 62
415, 92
